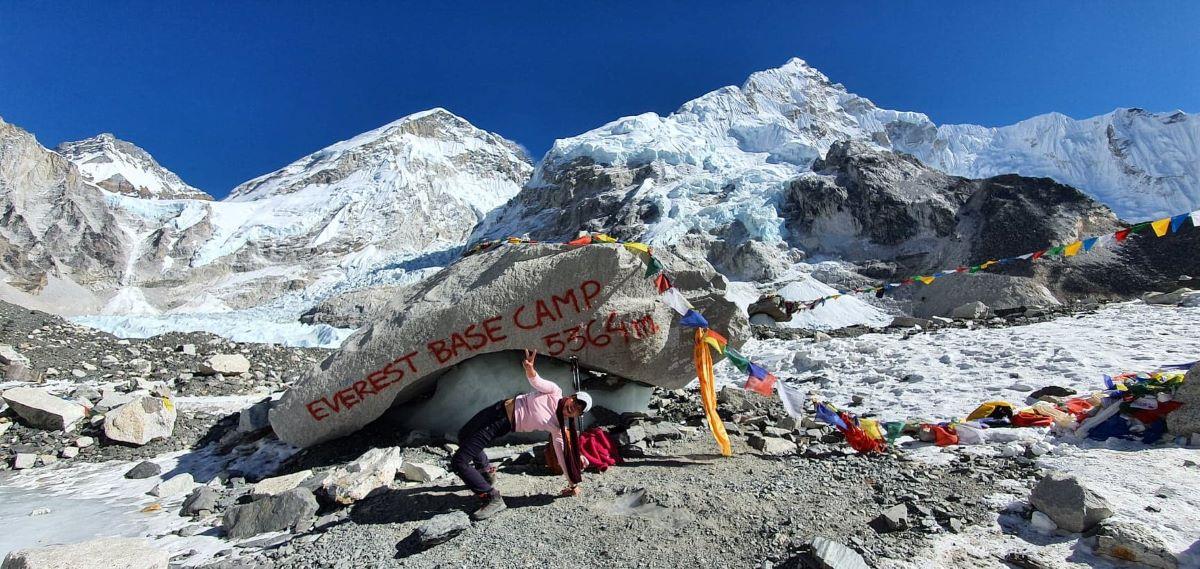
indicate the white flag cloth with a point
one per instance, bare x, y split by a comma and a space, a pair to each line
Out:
792, 398
1196, 218
675, 300
1104, 241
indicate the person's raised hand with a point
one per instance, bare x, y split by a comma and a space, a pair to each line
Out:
530, 356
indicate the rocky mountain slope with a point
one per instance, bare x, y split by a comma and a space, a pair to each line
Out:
125, 168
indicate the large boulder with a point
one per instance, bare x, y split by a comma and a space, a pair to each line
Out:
1134, 543
1186, 420
1073, 506
140, 421
998, 292
43, 410
226, 364
593, 302
273, 513
121, 552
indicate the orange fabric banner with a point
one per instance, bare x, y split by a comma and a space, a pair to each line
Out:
708, 392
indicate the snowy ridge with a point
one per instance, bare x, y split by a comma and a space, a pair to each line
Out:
123, 167
1144, 165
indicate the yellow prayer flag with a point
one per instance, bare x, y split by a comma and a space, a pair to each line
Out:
871, 428
925, 279
1072, 249
715, 344
1161, 226
604, 238
640, 247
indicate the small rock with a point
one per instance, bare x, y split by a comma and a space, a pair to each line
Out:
971, 311
280, 484
227, 364
1074, 507
417, 472
174, 485
69, 452
773, 446
144, 469
829, 554
24, 460
84, 442
186, 349
139, 365
202, 499
442, 528
1136, 544
892, 519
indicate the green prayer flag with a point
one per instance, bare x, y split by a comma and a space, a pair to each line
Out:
1055, 251
1140, 227
739, 361
653, 267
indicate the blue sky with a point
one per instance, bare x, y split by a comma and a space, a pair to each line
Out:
221, 92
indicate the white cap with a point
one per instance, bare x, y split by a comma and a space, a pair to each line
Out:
587, 400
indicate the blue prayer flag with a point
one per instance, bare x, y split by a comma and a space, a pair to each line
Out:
693, 319
827, 415
1177, 221
757, 372
1089, 243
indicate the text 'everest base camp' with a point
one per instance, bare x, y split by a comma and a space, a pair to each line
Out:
778, 327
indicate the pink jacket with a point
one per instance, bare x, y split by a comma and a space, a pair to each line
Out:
537, 411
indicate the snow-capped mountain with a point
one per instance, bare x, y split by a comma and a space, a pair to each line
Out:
718, 165
1143, 165
125, 168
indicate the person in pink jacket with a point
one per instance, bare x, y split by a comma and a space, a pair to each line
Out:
543, 409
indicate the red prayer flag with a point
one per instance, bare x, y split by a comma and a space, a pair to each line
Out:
765, 386
1121, 235
662, 283
585, 240
1037, 255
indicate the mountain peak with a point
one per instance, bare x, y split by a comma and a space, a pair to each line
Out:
123, 167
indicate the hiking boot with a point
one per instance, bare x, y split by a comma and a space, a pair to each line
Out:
489, 474
494, 505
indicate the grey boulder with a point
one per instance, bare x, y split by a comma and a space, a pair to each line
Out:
1073, 506
143, 469
273, 513
43, 410
829, 554
374, 470
971, 311
442, 528
202, 499
1186, 420
226, 364
1136, 544
120, 552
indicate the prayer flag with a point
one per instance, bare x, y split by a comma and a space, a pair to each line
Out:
1140, 227
1196, 219
604, 238
662, 283
961, 270
871, 428
1178, 221
926, 279
792, 399
757, 371
585, 240
988, 263
675, 300
737, 359
1038, 255
1026, 256
1121, 235
638, 248
708, 393
717, 341
1161, 226
653, 267
1072, 249
1089, 243
764, 387
1055, 250
693, 319
829, 416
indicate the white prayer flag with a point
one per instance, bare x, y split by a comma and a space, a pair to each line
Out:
792, 398
1196, 218
675, 300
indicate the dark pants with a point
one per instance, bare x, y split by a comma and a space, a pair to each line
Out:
469, 461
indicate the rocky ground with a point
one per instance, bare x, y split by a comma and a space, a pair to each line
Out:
227, 495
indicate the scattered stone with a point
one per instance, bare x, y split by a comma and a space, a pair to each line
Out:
892, 519
225, 364
1026, 560
662, 432
829, 554
273, 513
84, 442
633, 435
280, 484
773, 446
23, 460
144, 469
174, 485
373, 470
1134, 543
417, 472
1071, 505
186, 349
141, 420
86, 393
203, 499
909, 322
442, 528
69, 452
120, 552
971, 311
1052, 391
42, 410
1173, 297
139, 365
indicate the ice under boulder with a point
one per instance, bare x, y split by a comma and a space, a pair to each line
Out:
592, 302
141, 420
43, 410
846, 310
102, 552
481, 381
